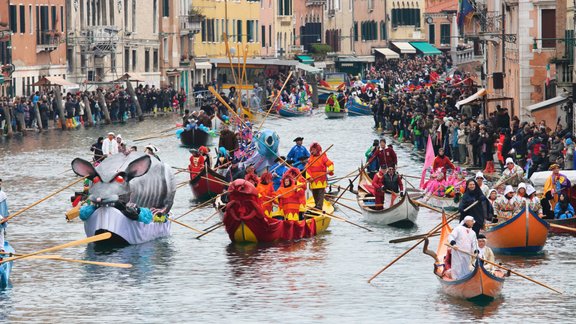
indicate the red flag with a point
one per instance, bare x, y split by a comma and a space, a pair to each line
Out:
428, 161
434, 76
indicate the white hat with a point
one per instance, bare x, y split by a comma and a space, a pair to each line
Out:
119, 136
521, 185
530, 190
509, 160
467, 218
479, 174
151, 148
491, 191
508, 190
111, 133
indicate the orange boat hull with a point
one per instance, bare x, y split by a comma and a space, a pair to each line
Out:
479, 284
524, 233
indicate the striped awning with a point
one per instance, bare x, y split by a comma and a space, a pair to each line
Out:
404, 47
388, 53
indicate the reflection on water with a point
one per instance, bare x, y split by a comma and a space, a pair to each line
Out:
181, 279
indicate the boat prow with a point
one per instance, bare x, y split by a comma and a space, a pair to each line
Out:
525, 233
123, 229
6, 268
207, 184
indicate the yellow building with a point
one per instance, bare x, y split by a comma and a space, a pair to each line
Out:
242, 27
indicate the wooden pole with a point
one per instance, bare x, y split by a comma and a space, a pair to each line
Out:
430, 233
38, 119
103, 106
87, 112
211, 230
185, 225
58, 98
342, 219
134, 98
9, 131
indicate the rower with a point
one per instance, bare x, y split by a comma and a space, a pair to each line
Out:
442, 162
266, 193
378, 185
563, 209
196, 163
109, 145
206, 154
480, 181
533, 201
392, 185
512, 174
371, 158
288, 199
277, 170
507, 205
521, 191
464, 238
317, 170
3, 213
298, 151
484, 252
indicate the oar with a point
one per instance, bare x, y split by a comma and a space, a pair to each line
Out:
204, 204
169, 129
96, 263
504, 268
95, 238
215, 227
209, 217
566, 228
430, 233
323, 213
351, 208
41, 200
185, 225
152, 137
348, 199
217, 181
411, 238
274, 102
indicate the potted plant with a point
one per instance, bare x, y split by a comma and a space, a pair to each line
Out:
195, 15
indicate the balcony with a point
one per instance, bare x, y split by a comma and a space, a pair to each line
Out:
185, 60
464, 56
310, 3
331, 13
190, 24
48, 41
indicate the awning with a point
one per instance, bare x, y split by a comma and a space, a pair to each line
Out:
388, 53
479, 94
320, 65
404, 47
308, 68
132, 77
203, 65
426, 48
54, 81
305, 59
558, 100
359, 59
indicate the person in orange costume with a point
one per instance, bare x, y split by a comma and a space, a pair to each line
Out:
288, 199
266, 193
294, 174
317, 170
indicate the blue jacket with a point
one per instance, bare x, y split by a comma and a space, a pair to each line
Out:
277, 169
296, 153
560, 213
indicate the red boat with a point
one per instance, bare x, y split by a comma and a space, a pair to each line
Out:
207, 184
245, 221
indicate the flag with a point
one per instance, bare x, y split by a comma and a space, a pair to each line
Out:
428, 161
465, 11
548, 74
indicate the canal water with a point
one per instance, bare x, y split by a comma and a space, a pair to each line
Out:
182, 279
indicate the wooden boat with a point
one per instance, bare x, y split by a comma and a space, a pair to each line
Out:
245, 221
6, 268
195, 138
402, 214
205, 189
358, 109
524, 233
568, 222
287, 111
480, 285
447, 203
334, 115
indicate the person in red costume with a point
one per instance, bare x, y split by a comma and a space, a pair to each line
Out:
378, 185
390, 155
266, 193
442, 162
196, 163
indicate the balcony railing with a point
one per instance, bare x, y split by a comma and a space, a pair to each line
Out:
315, 3
48, 41
464, 56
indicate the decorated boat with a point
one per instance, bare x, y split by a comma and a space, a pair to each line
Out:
480, 285
195, 137
130, 196
207, 184
335, 115
293, 111
245, 221
568, 222
524, 233
448, 203
356, 107
403, 213
6, 268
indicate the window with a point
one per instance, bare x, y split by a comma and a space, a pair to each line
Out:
165, 8
239, 31
22, 19
284, 7
405, 17
270, 35
154, 15
445, 34
13, 19
204, 31
255, 39
217, 31
382, 30
111, 11
250, 30
127, 59
263, 36
62, 18
432, 34
165, 48
134, 60
104, 17
70, 59
133, 15
113, 62
547, 19
355, 31
126, 14
54, 17
31, 27
234, 29
147, 60
155, 60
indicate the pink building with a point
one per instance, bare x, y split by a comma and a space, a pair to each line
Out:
267, 32
369, 26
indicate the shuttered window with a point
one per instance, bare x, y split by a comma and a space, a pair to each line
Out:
547, 23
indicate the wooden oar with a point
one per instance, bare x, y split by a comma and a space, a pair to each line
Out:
169, 129
340, 218
430, 233
95, 238
152, 137
274, 102
96, 263
217, 181
41, 200
411, 238
347, 199
186, 225
421, 204
504, 268
204, 204
209, 217
215, 227
566, 228
351, 208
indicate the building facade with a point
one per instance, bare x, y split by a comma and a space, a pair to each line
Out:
405, 20
33, 41
339, 22
108, 38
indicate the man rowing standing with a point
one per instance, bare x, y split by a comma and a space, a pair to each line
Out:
392, 185
317, 171
297, 152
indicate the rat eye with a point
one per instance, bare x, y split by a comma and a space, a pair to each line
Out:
119, 179
96, 180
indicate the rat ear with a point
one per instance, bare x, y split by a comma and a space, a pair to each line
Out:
83, 168
138, 167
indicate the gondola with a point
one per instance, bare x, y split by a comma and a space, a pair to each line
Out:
6, 268
245, 221
524, 233
358, 108
287, 111
402, 214
195, 138
335, 115
568, 222
207, 184
480, 285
